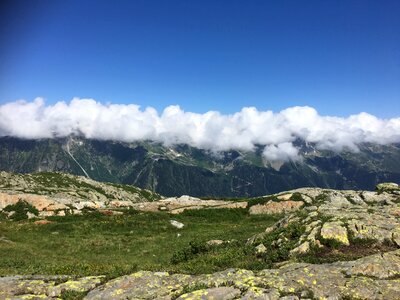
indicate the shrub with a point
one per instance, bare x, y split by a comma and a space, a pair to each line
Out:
289, 236
296, 197
73, 295
330, 243
21, 209
261, 200
193, 287
195, 247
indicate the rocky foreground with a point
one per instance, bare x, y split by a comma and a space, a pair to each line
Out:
373, 277
332, 225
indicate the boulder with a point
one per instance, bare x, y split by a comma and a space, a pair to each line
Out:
338, 200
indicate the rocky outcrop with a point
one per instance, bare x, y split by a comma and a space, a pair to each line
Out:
58, 194
176, 205
334, 218
273, 207
372, 277
40, 202
388, 187
45, 287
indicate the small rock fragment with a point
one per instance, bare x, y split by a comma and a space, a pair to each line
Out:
215, 242
261, 249
177, 224
42, 222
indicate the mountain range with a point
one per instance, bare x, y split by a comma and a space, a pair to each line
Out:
181, 169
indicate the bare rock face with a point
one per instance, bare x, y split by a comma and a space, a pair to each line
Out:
276, 207
38, 201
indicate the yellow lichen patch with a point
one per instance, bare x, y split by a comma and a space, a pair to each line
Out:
118, 292
300, 281
36, 282
195, 295
256, 290
137, 274
335, 231
74, 285
34, 296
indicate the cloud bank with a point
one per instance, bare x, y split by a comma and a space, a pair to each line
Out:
212, 130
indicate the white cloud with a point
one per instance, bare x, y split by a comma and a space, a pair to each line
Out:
212, 130
281, 152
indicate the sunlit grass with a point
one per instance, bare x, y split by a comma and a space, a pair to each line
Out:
94, 244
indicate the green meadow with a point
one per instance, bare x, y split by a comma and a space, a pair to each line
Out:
94, 244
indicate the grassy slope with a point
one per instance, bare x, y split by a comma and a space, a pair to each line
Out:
52, 182
114, 245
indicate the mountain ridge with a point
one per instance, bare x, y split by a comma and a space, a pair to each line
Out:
181, 169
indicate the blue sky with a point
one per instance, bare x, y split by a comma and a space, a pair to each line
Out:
340, 57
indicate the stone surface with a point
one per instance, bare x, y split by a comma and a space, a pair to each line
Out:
220, 293
215, 242
371, 277
177, 224
142, 285
276, 207
338, 200
301, 249
261, 249
176, 205
45, 287
335, 231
